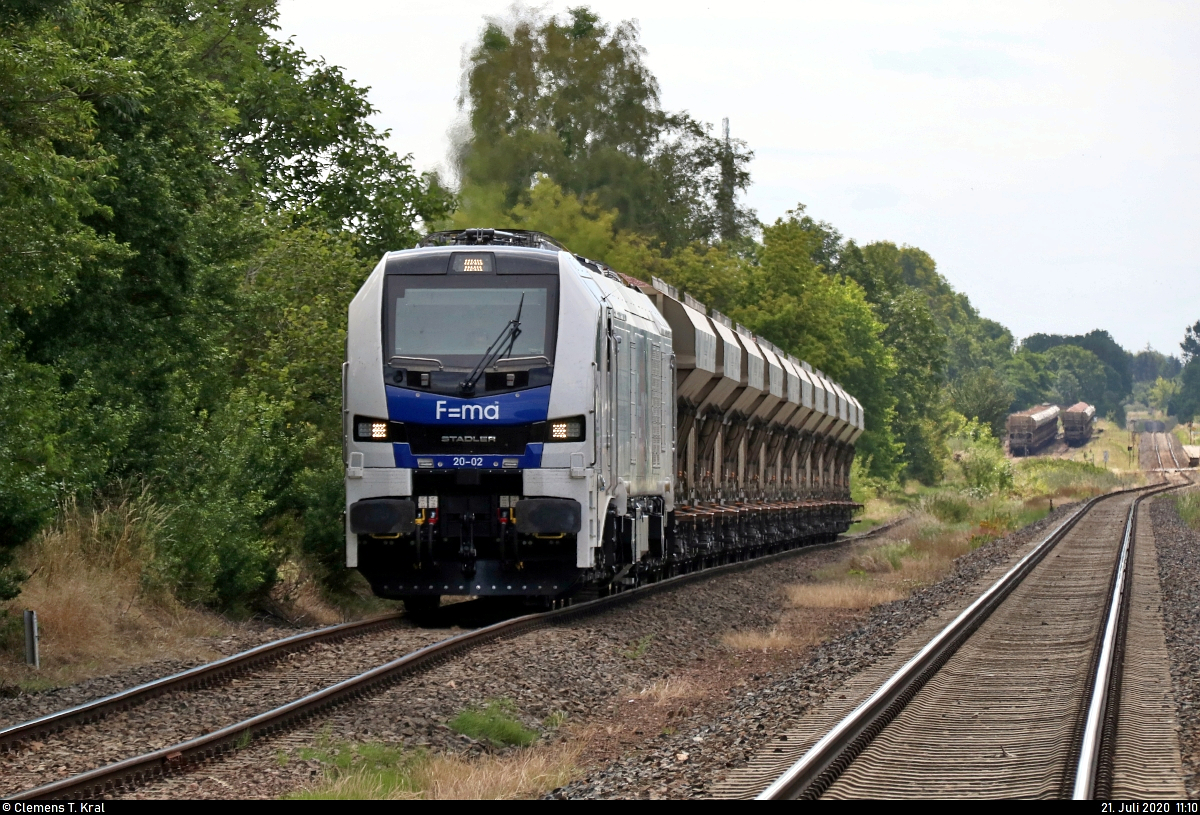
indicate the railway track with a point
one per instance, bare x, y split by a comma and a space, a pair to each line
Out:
194, 701
1018, 697
182, 755
1165, 439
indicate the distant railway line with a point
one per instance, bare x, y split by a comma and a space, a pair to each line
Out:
1161, 440
1018, 697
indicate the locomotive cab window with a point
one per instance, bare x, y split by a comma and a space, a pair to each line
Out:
443, 326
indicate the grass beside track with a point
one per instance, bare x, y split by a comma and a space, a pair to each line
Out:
103, 607
937, 526
361, 771
1188, 506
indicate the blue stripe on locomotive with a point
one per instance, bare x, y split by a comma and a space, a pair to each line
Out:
521, 407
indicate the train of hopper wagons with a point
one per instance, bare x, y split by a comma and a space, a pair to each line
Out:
522, 421
1032, 429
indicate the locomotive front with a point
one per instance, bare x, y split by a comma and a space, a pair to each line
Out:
465, 417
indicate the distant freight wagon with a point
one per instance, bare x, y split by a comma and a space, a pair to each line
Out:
1077, 421
1031, 429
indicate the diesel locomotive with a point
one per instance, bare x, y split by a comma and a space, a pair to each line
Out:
519, 420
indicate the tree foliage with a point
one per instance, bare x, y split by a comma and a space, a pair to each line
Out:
572, 98
185, 206
1148, 365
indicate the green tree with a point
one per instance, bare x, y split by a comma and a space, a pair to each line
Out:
985, 396
154, 159
1117, 363
1164, 393
572, 98
826, 320
1148, 365
1185, 406
1078, 375
1191, 342
1029, 377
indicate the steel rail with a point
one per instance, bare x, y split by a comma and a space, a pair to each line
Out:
185, 680
1111, 645
137, 770
1171, 449
820, 766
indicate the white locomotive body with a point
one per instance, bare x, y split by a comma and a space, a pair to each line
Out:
521, 421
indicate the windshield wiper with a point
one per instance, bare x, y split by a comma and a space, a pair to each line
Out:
494, 351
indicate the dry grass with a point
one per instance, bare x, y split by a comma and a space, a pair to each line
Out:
97, 605
297, 597
525, 773
855, 594
772, 640
669, 691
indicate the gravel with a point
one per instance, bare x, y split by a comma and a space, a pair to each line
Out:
181, 715
17, 707
1179, 571
659, 704
689, 762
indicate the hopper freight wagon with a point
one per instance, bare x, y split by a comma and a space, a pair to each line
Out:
1078, 421
1031, 429
523, 421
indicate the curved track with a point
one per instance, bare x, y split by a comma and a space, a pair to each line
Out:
138, 769
1012, 699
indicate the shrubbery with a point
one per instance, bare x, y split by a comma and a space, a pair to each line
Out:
979, 457
1056, 476
196, 205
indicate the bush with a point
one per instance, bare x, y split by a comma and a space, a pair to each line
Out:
947, 508
1056, 476
980, 458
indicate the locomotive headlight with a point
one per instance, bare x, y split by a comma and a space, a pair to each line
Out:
368, 429
565, 429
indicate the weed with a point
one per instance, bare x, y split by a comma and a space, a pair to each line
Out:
947, 508
555, 720
36, 684
846, 594
281, 758
12, 632
894, 553
243, 741
1065, 478
381, 771
495, 722
1188, 507
757, 640
639, 648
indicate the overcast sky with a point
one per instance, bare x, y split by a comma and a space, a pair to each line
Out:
1046, 154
